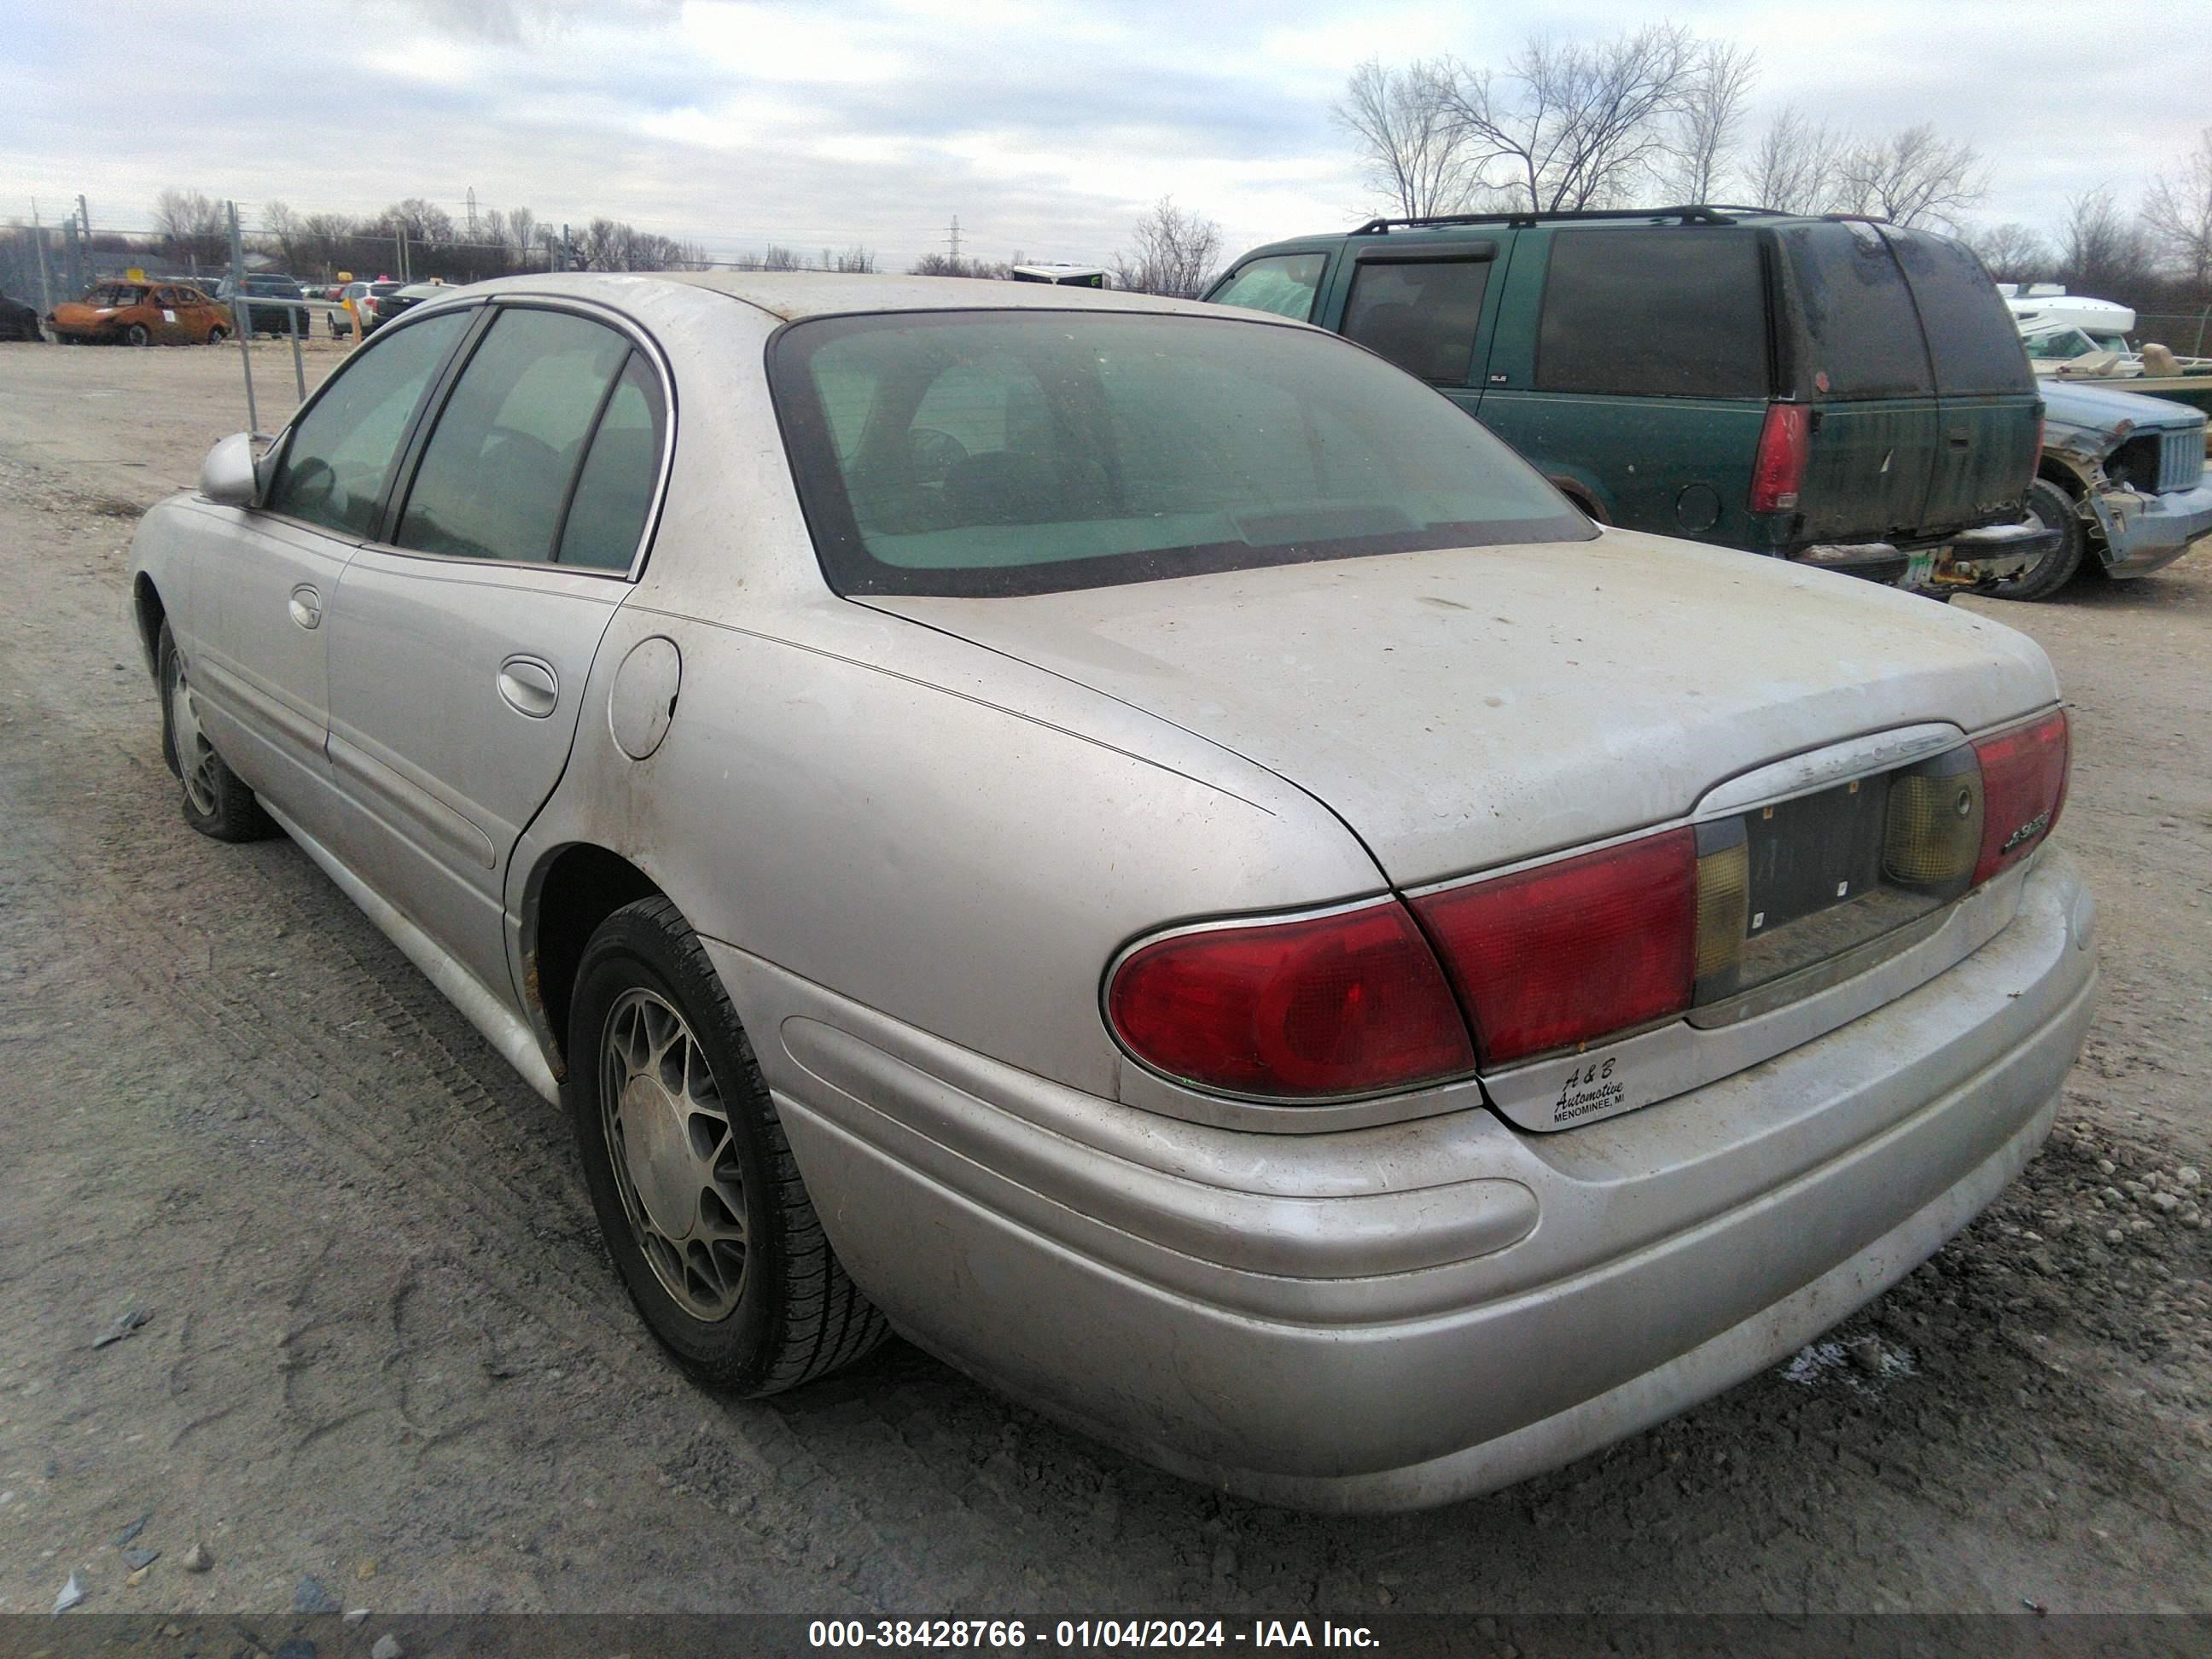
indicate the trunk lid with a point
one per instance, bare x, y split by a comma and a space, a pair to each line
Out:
1469, 707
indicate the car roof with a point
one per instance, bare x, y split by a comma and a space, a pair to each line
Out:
793, 296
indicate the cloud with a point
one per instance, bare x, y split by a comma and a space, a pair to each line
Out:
1044, 124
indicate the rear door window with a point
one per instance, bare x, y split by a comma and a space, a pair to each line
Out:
1653, 313
1971, 332
614, 491
495, 475
1862, 336
341, 453
1423, 315
1283, 283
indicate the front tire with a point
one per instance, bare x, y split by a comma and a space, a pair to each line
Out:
698, 1197
217, 335
2053, 507
137, 335
216, 800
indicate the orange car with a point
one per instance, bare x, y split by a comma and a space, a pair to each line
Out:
142, 314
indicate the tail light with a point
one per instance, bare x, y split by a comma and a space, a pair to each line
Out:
2024, 775
1570, 950
1319, 1006
1362, 1001
1779, 473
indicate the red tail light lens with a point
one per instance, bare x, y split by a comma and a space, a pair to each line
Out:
2024, 773
1778, 474
1347, 1004
1556, 955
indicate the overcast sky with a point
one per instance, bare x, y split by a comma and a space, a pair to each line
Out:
1046, 125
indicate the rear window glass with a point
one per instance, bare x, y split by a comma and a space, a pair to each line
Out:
1421, 314
1971, 332
1861, 331
965, 452
1653, 313
1282, 283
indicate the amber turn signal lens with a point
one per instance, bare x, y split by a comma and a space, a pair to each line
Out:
1934, 833
1724, 911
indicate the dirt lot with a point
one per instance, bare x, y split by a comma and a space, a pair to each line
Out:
383, 1349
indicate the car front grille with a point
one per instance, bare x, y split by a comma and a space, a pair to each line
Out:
2181, 462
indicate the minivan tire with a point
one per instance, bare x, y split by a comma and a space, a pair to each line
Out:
2053, 507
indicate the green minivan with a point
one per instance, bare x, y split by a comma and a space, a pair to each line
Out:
1831, 389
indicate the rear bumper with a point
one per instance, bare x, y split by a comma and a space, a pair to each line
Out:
1394, 1317
2145, 532
1994, 553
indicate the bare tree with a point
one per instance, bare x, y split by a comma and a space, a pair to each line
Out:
858, 259
324, 239
2178, 214
491, 231
780, 258
522, 232
1175, 253
950, 264
281, 225
1914, 177
192, 227
1417, 153
1798, 165
2101, 249
1710, 123
422, 220
2013, 252
1576, 125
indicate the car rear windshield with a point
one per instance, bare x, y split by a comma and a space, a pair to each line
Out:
1861, 335
1971, 332
1004, 453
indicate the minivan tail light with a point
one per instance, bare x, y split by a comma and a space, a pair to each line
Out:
1548, 957
1779, 473
1306, 1009
2024, 777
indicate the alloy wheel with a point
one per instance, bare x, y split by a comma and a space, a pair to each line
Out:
675, 1161
196, 756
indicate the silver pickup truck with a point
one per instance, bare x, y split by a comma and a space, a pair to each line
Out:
2122, 477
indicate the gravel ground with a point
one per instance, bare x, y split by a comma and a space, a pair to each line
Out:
379, 1347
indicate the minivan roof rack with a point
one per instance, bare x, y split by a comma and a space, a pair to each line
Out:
1693, 213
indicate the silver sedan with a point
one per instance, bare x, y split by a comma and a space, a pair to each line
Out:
1138, 846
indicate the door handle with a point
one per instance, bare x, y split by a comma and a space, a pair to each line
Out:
306, 606
529, 686
1958, 439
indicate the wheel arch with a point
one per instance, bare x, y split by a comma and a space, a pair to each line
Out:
148, 612
1583, 495
573, 888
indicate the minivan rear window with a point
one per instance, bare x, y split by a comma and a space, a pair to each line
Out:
1861, 334
1971, 332
1028, 451
1653, 313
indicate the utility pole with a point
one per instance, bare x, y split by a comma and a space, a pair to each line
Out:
38, 235
240, 315
953, 240
472, 213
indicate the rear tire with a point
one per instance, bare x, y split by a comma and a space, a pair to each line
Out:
215, 800
698, 1197
137, 335
2053, 509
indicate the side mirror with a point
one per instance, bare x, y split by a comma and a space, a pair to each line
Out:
227, 476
